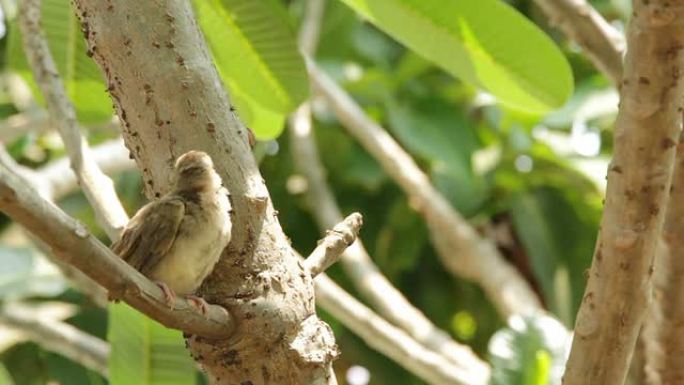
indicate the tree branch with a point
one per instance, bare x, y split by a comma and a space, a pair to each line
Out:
59, 337
72, 243
170, 100
97, 187
662, 334
56, 181
334, 244
646, 133
601, 42
462, 251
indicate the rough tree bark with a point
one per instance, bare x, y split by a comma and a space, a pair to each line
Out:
646, 133
169, 99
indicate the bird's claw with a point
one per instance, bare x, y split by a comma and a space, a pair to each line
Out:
169, 295
198, 302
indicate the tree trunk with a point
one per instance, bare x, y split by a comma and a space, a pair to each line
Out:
169, 98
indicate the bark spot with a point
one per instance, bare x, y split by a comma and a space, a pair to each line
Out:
659, 17
667, 143
616, 169
626, 240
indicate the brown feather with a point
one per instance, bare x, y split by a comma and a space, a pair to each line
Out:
150, 233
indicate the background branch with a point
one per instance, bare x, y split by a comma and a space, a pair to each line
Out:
358, 265
97, 187
601, 42
57, 336
394, 342
463, 252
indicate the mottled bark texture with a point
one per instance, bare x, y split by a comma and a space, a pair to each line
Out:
169, 99
646, 133
663, 333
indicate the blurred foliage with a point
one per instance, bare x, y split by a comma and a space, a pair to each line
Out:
531, 181
531, 350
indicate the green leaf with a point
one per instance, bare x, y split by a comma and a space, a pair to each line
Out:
558, 231
144, 352
530, 351
5, 377
485, 43
265, 123
437, 132
255, 49
81, 76
400, 241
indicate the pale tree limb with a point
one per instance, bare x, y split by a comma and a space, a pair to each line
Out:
58, 337
97, 187
55, 180
601, 42
170, 99
462, 251
334, 244
72, 243
393, 342
646, 133
663, 331
48, 311
363, 273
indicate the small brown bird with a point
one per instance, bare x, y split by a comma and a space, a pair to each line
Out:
177, 239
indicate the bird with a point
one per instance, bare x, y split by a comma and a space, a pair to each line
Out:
177, 239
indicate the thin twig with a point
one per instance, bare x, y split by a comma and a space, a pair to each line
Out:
72, 243
646, 135
97, 187
46, 310
463, 252
600, 41
59, 337
333, 245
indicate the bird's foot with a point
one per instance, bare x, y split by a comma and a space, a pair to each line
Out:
198, 302
169, 295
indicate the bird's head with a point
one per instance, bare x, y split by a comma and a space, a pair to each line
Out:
195, 171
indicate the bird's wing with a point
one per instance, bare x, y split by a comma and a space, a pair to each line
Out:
150, 234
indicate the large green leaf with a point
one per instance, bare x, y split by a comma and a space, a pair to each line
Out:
82, 78
530, 351
485, 43
144, 352
254, 48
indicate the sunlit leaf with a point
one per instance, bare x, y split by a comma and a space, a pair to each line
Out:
143, 352
82, 78
485, 43
254, 48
